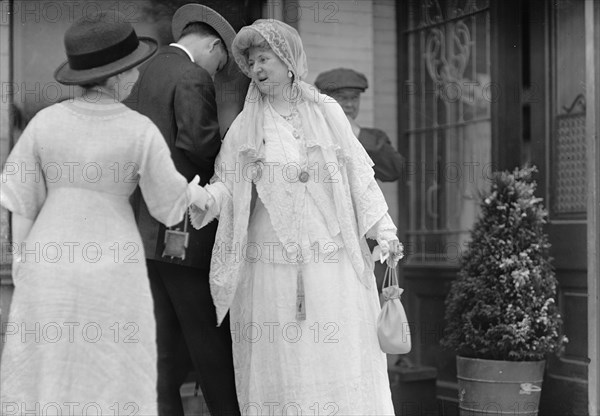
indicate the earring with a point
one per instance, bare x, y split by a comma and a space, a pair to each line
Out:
290, 74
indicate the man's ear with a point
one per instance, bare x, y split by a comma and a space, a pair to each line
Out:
214, 44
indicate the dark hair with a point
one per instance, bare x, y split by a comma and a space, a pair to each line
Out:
100, 83
202, 29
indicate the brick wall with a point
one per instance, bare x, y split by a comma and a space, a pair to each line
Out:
385, 85
4, 103
385, 67
357, 34
339, 34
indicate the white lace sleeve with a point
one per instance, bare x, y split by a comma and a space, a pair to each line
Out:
384, 229
219, 192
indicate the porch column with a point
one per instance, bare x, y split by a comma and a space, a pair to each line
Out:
5, 144
592, 55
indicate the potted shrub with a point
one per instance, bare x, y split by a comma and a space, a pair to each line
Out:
501, 313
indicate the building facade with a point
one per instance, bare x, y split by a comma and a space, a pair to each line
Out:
462, 87
489, 85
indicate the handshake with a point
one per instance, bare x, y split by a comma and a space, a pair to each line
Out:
390, 249
198, 195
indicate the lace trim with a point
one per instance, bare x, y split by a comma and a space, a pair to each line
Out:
323, 197
351, 193
276, 41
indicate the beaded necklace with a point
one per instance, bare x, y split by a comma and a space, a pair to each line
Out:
294, 120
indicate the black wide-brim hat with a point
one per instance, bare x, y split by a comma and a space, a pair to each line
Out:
101, 46
193, 12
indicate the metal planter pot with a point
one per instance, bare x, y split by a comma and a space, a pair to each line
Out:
495, 387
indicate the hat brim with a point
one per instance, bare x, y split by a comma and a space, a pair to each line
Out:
326, 90
65, 75
194, 12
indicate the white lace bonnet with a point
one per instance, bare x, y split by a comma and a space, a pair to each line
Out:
283, 39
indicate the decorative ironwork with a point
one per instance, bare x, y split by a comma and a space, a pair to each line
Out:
579, 100
429, 18
456, 9
570, 164
448, 65
449, 59
432, 13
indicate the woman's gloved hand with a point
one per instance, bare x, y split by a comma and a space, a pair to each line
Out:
390, 249
199, 196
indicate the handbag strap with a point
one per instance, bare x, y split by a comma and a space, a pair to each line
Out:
185, 223
390, 277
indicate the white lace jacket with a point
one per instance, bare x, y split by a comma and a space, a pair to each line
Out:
341, 182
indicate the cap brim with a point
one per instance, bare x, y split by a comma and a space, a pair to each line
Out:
65, 75
193, 12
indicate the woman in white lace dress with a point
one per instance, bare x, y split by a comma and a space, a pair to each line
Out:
295, 196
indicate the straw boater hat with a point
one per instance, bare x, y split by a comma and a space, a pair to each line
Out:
191, 13
101, 46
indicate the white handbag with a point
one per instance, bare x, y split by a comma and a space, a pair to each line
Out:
393, 331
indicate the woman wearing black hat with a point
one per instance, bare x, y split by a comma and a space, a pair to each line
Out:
81, 332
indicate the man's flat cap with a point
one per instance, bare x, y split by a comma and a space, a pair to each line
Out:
341, 78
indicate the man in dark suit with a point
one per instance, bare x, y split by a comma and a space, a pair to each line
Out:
176, 91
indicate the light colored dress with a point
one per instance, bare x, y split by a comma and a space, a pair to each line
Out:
81, 330
331, 362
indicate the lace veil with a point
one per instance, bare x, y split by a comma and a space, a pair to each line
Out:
358, 200
285, 42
